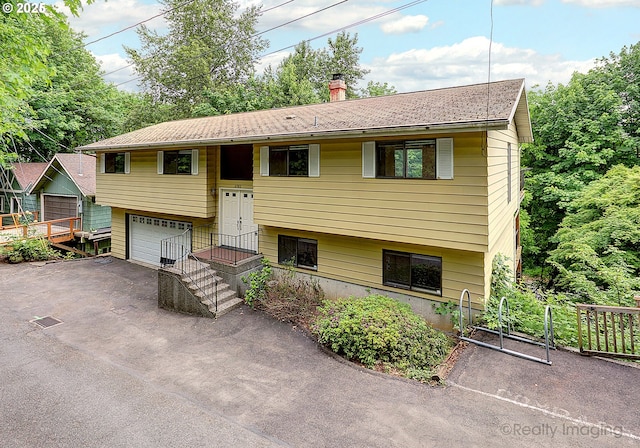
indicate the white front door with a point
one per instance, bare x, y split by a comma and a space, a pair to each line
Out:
237, 227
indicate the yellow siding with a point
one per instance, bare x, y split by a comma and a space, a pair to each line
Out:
439, 213
145, 190
118, 233
501, 212
359, 261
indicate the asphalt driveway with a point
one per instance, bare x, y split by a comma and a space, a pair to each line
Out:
118, 371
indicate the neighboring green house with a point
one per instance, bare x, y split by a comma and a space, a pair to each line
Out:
15, 183
66, 188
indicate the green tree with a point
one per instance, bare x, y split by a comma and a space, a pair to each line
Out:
598, 253
622, 72
342, 55
209, 46
76, 106
578, 137
378, 89
24, 49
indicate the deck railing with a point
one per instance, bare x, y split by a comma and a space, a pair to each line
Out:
208, 245
56, 230
8, 220
611, 331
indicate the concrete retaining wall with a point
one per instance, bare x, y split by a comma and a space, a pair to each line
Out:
174, 295
232, 275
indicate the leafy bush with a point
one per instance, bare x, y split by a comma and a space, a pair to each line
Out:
526, 308
257, 282
378, 330
283, 294
29, 249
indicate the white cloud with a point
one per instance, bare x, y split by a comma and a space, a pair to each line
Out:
604, 3
124, 73
272, 59
467, 62
406, 24
117, 14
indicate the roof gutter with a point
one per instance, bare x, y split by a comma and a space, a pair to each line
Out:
441, 128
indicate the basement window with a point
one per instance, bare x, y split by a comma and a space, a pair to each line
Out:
302, 252
416, 272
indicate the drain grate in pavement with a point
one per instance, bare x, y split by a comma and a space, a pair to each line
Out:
46, 322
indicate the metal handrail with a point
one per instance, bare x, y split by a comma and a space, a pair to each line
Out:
200, 280
175, 253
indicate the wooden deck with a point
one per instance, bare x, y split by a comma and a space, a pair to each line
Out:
56, 231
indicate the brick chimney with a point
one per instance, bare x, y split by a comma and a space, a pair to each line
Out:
338, 88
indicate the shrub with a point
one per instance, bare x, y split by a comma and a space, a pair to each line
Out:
29, 249
378, 330
526, 308
257, 282
283, 294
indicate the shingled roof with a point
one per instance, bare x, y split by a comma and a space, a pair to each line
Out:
489, 106
27, 173
81, 169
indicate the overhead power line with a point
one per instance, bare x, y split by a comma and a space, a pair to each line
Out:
254, 35
135, 25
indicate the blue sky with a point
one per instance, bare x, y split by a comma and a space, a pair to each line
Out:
436, 43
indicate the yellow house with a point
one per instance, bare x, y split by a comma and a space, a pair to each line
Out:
411, 195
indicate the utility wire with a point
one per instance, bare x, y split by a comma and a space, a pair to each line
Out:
489, 68
351, 25
209, 52
277, 6
360, 22
131, 26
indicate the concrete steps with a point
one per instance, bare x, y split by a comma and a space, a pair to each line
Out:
206, 286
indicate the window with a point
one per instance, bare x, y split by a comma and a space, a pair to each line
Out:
409, 159
289, 161
178, 162
412, 271
236, 162
16, 205
302, 251
2, 204
114, 162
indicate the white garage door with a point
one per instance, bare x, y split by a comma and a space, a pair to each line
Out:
146, 233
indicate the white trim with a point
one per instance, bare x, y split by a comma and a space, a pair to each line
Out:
264, 160
368, 159
127, 163
314, 160
195, 161
101, 159
160, 162
444, 158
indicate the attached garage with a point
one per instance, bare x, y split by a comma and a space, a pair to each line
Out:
59, 207
146, 233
